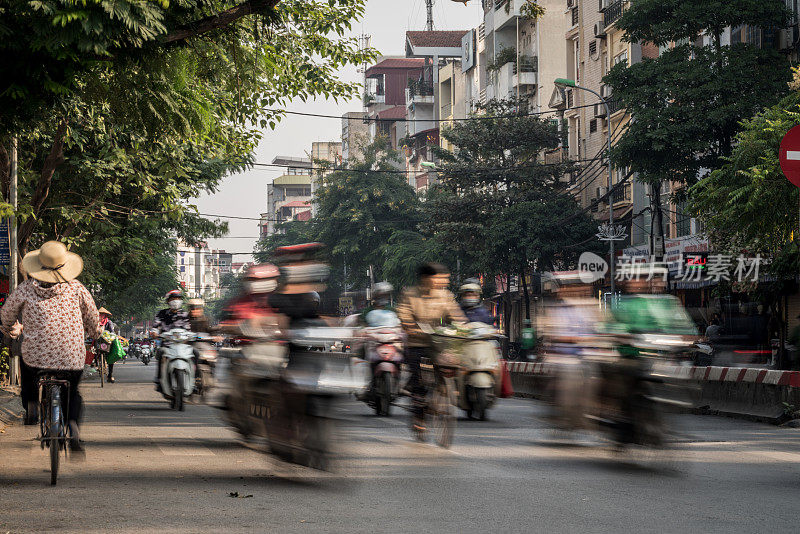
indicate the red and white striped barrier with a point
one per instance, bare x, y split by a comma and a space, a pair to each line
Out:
707, 374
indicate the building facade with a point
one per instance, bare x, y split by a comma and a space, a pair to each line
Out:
289, 195
200, 270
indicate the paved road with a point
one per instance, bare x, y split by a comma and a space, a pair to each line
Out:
151, 469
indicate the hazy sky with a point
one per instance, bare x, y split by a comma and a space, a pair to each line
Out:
244, 195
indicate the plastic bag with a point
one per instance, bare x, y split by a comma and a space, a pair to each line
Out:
116, 353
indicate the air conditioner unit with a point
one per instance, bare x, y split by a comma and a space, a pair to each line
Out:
604, 4
599, 30
605, 91
601, 192
571, 3
599, 111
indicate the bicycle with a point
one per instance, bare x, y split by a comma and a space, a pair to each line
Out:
441, 401
52, 425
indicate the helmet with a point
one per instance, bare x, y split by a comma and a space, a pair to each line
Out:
470, 287
262, 271
174, 294
383, 288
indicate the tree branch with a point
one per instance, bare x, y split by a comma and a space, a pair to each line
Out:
220, 20
51, 163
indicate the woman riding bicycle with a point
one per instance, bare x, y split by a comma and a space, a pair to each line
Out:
57, 314
432, 304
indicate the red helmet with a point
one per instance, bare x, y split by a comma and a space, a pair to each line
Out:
175, 293
262, 271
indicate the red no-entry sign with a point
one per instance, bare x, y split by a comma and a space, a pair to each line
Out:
790, 155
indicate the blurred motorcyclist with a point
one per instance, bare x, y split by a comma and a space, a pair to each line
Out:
302, 275
471, 305
381, 300
174, 316
259, 282
197, 316
428, 303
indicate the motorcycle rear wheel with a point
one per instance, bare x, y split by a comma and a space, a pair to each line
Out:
383, 394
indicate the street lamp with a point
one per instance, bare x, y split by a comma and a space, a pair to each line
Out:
563, 83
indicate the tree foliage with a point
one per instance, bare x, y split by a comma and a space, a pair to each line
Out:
359, 211
125, 111
687, 103
748, 204
498, 207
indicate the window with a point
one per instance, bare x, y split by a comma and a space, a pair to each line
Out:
682, 220
593, 48
183, 269
621, 57
593, 126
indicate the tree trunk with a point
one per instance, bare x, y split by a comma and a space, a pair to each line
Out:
507, 306
51, 163
527, 295
657, 222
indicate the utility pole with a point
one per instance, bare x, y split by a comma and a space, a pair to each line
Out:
429, 6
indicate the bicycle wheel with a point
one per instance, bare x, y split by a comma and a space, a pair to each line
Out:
443, 412
55, 430
101, 368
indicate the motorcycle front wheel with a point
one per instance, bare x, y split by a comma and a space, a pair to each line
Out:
177, 393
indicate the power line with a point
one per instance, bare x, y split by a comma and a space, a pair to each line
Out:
465, 119
415, 173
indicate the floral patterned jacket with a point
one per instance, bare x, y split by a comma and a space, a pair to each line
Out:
55, 320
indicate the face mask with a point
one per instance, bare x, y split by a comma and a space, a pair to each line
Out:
261, 286
175, 304
471, 301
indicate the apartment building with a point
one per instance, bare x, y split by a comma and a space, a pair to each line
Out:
385, 95
322, 152
289, 195
436, 49
200, 269
519, 57
355, 133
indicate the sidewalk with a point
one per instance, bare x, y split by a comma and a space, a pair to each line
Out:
10, 406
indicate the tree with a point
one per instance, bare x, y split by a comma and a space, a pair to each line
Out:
127, 110
359, 211
747, 204
687, 103
501, 209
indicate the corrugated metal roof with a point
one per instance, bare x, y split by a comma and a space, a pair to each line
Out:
448, 39
292, 179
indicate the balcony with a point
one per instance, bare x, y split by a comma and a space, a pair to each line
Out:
528, 68
419, 92
614, 105
506, 13
613, 12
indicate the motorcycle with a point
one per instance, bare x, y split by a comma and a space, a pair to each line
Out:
145, 354
287, 392
384, 352
178, 367
478, 381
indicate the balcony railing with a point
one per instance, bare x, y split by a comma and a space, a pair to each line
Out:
527, 64
420, 88
614, 105
613, 12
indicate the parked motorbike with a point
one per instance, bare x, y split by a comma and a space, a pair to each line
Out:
287, 393
478, 380
178, 367
384, 352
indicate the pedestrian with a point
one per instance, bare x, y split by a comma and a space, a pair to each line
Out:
107, 325
428, 303
58, 313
